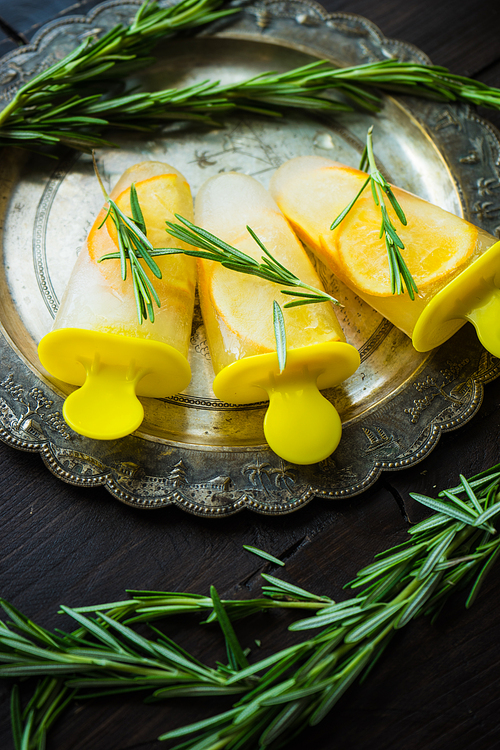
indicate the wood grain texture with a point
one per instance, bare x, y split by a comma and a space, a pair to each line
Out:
460, 35
28, 16
437, 687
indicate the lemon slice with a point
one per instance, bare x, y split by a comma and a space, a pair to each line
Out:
238, 307
312, 191
160, 197
436, 243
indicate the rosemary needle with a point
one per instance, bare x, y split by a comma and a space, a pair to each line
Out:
279, 335
399, 274
265, 555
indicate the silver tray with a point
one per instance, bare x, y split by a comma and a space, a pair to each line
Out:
192, 450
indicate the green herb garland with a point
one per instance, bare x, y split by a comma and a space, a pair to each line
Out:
279, 696
68, 102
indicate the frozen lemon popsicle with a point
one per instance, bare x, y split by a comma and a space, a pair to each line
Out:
455, 265
301, 425
97, 341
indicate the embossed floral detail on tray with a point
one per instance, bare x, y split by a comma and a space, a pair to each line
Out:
486, 185
243, 139
446, 120
331, 467
269, 479
132, 479
263, 16
78, 463
265, 11
485, 210
34, 404
459, 394
377, 438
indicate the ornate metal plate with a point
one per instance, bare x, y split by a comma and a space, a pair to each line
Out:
206, 456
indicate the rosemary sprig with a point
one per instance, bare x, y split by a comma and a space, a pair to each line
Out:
133, 246
105, 656
75, 100
299, 685
209, 246
57, 105
399, 274
291, 689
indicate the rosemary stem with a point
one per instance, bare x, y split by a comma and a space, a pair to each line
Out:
12, 106
301, 605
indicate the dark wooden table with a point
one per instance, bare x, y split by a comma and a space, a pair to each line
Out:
437, 687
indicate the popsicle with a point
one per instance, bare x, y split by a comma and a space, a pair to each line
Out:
300, 425
97, 341
455, 265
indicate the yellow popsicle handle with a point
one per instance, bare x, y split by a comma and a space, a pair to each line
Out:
473, 295
106, 406
486, 320
300, 425
112, 370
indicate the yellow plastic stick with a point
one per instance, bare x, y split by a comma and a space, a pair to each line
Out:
474, 295
111, 370
300, 425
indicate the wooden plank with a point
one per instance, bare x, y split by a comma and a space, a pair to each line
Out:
460, 35
27, 17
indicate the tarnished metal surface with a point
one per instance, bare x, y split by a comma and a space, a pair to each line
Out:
193, 450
